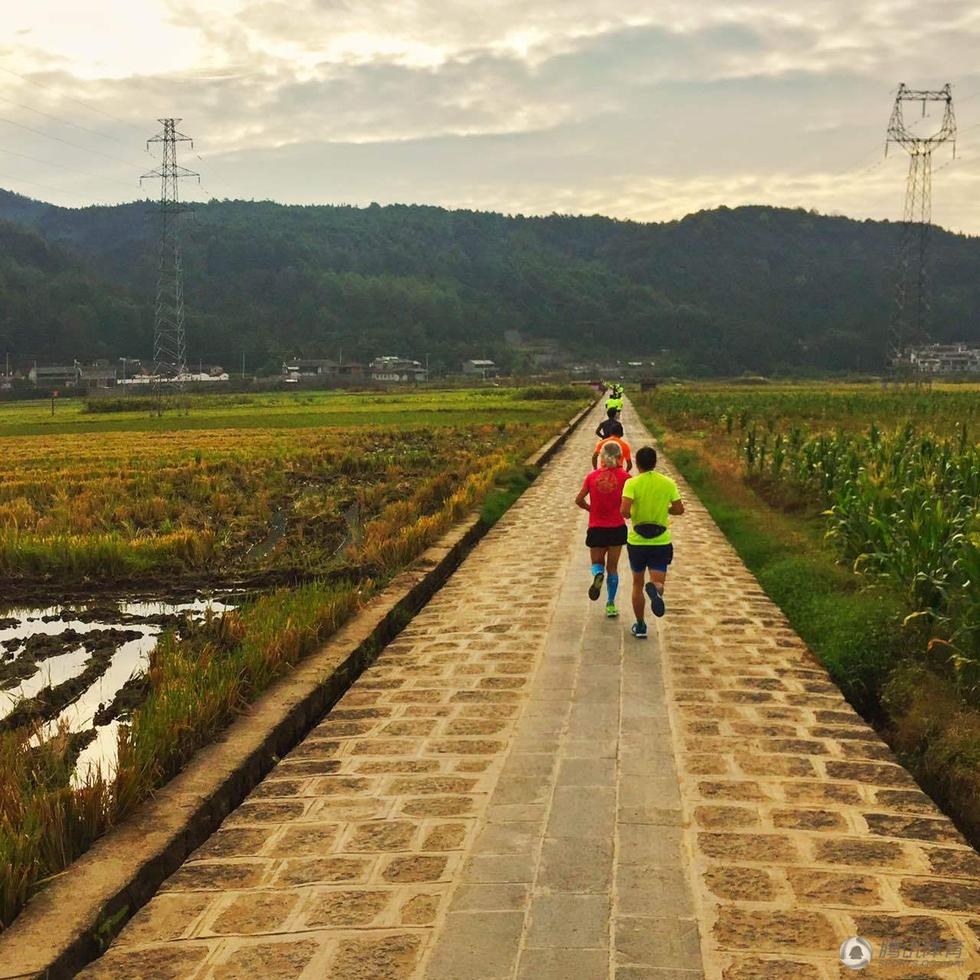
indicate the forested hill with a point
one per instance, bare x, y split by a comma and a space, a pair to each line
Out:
752, 288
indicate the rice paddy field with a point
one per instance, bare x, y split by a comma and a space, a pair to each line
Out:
157, 572
858, 508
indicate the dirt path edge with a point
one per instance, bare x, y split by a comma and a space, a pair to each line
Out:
72, 920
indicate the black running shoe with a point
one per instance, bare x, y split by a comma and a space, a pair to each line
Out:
656, 600
595, 589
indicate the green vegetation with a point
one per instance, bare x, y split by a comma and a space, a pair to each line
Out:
45, 823
511, 483
868, 541
755, 288
900, 507
360, 503
339, 410
242, 485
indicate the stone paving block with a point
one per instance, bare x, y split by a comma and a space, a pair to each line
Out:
249, 959
564, 964
508, 838
495, 898
650, 973
313, 871
569, 921
498, 869
520, 790
252, 913
345, 907
173, 962
650, 891
590, 748
570, 864
586, 772
648, 791
534, 765
516, 813
577, 814
377, 957
647, 762
173, 917
656, 941
477, 946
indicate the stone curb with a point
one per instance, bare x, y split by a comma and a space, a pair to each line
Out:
71, 921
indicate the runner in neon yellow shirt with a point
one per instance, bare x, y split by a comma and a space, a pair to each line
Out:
649, 499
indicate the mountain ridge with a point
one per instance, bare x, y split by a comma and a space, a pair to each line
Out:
750, 288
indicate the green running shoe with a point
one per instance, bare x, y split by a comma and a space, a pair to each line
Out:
596, 587
611, 611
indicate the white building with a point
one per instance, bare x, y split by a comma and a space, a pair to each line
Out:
946, 359
398, 370
309, 367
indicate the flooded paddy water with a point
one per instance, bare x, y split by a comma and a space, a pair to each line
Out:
79, 669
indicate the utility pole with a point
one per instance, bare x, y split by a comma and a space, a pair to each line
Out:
910, 326
169, 342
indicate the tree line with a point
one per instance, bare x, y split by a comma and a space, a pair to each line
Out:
747, 289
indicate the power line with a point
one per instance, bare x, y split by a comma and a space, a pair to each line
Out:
77, 146
61, 166
81, 102
57, 190
64, 122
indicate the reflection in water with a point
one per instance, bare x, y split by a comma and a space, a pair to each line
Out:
130, 657
50, 672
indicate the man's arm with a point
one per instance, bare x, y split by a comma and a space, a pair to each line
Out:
580, 499
595, 460
677, 507
626, 507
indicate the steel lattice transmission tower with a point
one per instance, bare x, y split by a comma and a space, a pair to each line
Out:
912, 301
169, 341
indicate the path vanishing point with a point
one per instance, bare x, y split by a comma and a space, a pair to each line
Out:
519, 789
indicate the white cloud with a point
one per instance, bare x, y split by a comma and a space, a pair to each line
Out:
635, 109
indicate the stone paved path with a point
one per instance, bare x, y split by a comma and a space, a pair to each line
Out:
518, 789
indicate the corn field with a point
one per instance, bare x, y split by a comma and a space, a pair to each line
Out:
899, 495
901, 506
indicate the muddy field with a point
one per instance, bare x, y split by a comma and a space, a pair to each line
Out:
80, 668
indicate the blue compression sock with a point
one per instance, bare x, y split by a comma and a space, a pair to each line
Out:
612, 586
598, 568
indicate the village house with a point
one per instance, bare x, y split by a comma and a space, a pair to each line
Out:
398, 370
480, 369
946, 359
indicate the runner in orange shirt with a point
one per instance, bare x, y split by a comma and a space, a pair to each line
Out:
624, 449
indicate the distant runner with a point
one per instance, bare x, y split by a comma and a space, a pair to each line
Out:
614, 402
609, 426
607, 530
624, 450
648, 499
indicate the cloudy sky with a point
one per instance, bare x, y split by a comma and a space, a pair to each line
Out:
645, 109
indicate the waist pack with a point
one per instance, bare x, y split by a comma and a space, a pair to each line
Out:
649, 530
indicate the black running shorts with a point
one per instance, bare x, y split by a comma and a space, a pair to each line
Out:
605, 537
653, 556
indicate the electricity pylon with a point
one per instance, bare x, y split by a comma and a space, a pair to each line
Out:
169, 341
911, 296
